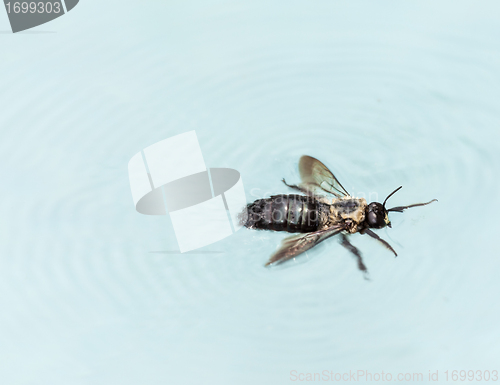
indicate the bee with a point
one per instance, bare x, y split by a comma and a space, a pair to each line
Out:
318, 217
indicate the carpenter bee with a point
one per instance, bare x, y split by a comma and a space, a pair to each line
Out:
318, 216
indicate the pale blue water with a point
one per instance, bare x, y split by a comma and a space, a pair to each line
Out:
385, 93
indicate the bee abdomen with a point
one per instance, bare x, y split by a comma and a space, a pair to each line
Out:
292, 213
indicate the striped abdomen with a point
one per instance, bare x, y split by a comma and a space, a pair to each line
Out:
292, 213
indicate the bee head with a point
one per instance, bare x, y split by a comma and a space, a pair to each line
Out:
376, 214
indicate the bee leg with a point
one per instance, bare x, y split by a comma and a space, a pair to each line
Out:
295, 187
373, 235
353, 249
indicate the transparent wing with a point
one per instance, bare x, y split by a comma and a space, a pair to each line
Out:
316, 177
292, 246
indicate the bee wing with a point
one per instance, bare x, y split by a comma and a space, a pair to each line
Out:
292, 246
317, 177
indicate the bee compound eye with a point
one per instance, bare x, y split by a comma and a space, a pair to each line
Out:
372, 218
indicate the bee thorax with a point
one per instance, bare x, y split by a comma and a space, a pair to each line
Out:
348, 210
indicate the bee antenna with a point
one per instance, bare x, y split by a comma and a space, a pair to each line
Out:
391, 194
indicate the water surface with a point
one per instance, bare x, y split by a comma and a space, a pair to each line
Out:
385, 94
